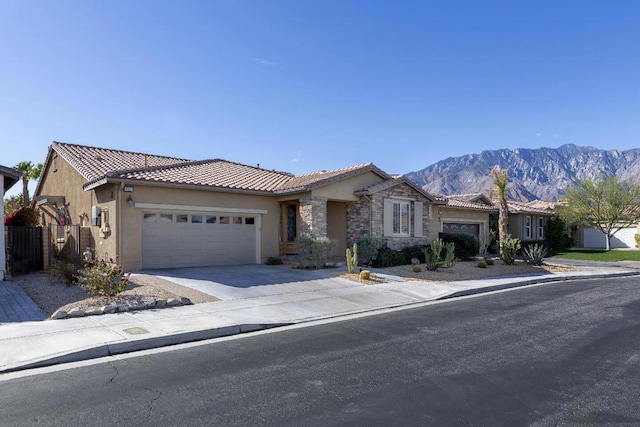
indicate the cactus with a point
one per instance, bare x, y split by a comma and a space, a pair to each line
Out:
352, 258
365, 275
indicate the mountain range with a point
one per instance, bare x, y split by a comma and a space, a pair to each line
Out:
542, 173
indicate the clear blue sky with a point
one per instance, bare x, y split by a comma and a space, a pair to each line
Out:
306, 85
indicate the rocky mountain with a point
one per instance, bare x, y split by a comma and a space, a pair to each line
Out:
541, 173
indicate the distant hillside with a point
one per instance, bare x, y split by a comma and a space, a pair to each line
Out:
542, 173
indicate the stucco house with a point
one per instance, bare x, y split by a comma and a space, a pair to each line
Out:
466, 213
8, 177
528, 220
157, 211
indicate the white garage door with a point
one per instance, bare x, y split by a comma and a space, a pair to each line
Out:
622, 239
197, 239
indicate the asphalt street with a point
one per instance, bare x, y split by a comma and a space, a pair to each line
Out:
557, 354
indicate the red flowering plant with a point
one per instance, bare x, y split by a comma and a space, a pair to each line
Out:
103, 277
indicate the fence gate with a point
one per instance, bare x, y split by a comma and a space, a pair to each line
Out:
24, 249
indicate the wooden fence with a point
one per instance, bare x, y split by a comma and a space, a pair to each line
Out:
24, 249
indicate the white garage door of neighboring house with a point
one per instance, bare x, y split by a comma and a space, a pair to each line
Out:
198, 239
452, 227
624, 238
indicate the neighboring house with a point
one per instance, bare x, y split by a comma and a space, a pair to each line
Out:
465, 213
8, 177
528, 220
157, 211
592, 238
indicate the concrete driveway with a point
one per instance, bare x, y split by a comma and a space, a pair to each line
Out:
251, 281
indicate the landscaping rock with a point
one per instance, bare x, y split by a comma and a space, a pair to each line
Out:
59, 314
172, 302
123, 308
149, 302
160, 302
185, 301
75, 312
93, 311
108, 309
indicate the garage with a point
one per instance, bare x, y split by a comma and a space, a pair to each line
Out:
624, 238
461, 228
194, 239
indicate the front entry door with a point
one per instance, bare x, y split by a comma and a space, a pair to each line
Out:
290, 227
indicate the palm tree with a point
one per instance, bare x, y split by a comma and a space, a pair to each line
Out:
28, 171
499, 191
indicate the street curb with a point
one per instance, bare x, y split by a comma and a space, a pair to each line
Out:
536, 281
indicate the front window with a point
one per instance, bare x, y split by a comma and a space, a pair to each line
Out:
527, 227
401, 218
540, 228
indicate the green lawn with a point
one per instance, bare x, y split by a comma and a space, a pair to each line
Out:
597, 255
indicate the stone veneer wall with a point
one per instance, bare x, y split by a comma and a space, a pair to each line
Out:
313, 216
359, 213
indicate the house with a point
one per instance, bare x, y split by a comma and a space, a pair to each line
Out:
8, 177
157, 211
466, 213
528, 220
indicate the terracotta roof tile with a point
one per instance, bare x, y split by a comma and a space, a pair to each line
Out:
320, 178
524, 207
456, 203
93, 162
210, 173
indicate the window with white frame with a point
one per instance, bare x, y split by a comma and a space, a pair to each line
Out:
540, 228
527, 227
401, 218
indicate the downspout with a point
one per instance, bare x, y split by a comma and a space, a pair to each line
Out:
119, 221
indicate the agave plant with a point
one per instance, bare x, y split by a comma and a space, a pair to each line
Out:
535, 254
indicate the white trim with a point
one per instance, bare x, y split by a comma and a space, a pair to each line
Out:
162, 206
403, 199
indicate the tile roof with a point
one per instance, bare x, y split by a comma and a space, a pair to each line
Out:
216, 173
472, 197
93, 162
389, 183
524, 207
457, 203
318, 179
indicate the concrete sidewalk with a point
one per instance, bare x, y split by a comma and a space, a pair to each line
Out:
31, 344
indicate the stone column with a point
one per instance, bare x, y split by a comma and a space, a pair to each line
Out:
313, 216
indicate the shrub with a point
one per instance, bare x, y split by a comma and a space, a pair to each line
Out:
387, 257
416, 269
103, 277
489, 261
365, 275
637, 237
313, 251
23, 217
555, 232
352, 258
482, 264
509, 248
415, 251
484, 241
433, 255
368, 248
466, 246
63, 269
535, 254
272, 260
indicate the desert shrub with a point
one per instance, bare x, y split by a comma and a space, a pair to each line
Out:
63, 269
484, 241
637, 237
368, 248
411, 252
365, 275
103, 277
434, 257
466, 246
23, 217
482, 264
387, 257
416, 269
535, 254
489, 261
555, 232
272, 260
352, 258
509, 248
313, 251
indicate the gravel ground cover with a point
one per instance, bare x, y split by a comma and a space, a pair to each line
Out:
51, 293
464, 270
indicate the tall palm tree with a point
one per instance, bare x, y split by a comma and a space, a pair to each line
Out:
28, 171
499, 192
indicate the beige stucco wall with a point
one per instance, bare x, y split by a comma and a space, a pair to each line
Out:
130, 229
516, 226
343, 190
468, 216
